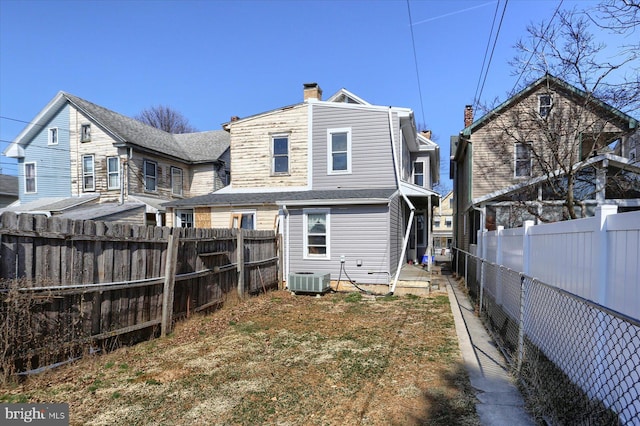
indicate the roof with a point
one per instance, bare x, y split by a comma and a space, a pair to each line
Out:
8, 185
100, 211
54, 204
348, 196
189, 147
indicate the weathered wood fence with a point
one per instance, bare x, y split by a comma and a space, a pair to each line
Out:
70, 286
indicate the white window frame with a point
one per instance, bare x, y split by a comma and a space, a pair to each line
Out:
85, 132
27, 178
413, 167
330, 133
305, 224
238, 215
174, 171
154, 176
86, 174
185, 224
516, 160
53, 135
545, 110
115, 173
274, 155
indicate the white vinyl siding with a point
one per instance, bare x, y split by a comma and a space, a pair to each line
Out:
30, 186
88, 173
176, 181
316, 234
150, 176
113, 173
339, 151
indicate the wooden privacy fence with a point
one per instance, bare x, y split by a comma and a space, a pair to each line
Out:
69, 286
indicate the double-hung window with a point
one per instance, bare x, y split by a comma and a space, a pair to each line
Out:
150, 175
545, 102
176, 181
316, 234
280, 149
243, 220
522, 159
29, 178
184, 218
53, 136
85, 133
418, 173
88, 173
113, 173
338, 151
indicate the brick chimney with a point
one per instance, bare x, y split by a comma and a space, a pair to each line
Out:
468, 115
426, 134
312, 92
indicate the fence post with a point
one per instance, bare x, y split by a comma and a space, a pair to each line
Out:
499, 262
240, 261
521, 325
466, 269
601, 255
169, 284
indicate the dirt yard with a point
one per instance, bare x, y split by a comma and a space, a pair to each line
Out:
339, 359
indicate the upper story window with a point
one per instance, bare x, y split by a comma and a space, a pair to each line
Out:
176, 181
316, 234
280, 149
150, 175
436, 222
522, 159
545, 102
85, 133
418, 173
29, 178
113, 173
53, 136
338, 151
88, 173
448, 222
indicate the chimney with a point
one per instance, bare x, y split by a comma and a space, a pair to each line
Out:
312, 92
427, 134
234, 118
468, 115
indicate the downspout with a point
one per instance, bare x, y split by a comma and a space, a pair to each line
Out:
406, 200
286, 243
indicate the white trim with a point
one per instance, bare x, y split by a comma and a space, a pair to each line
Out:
155, 175
274, 136
178, 219
173, 168
413, 172
333, 202
331, 132
117, 172
305, 225
49, 138
35, 178
92, 174
253, 213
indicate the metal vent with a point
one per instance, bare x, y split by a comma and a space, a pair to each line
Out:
309, 282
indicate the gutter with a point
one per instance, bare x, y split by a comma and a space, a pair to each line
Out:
405, 242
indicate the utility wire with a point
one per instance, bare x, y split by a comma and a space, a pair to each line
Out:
495, 41
486, 52
415, 60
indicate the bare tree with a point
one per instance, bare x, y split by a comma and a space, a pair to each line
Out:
165, 118
585, 121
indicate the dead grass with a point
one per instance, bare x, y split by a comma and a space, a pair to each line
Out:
277, 359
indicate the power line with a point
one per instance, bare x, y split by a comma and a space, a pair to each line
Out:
415, 60
486, 52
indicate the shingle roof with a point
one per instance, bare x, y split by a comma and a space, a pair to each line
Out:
8, 185
282, 197
190, 147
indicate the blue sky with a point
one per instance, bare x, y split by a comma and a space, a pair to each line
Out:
211, 60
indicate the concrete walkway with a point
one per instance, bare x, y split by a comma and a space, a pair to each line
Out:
499, 401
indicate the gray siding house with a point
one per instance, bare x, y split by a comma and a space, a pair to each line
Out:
346, 183
80, 160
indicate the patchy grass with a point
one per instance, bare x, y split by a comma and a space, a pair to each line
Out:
277, 359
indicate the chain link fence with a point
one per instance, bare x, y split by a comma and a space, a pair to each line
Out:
577, 362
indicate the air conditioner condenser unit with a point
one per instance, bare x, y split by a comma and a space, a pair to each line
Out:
309, 282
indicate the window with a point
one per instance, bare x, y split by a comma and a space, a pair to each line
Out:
29, 178
113, 173
523, 160
280, 146
85, 133
339, 151
184, 218
53, 136
436, 222
243, 220
150, 175
88, 173
447, 222
176, 181
418, 173
632, 155
316, 234
545, 102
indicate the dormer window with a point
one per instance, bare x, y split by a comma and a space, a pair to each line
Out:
418, 173
545, 102
85, 133
53, 136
